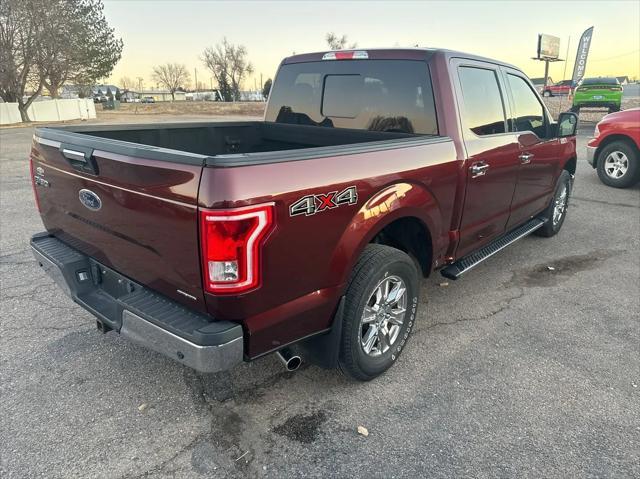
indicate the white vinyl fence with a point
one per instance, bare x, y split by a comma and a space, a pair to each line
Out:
9, 113
49, 110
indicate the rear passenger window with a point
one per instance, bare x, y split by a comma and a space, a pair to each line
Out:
528, 114
483, 107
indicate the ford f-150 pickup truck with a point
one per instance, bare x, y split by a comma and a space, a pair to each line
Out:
304, 234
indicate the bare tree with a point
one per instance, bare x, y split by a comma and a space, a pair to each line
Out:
171, 76
229, 66
126, 83
338, 43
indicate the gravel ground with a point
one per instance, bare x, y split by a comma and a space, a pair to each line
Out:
515, 370
559, 104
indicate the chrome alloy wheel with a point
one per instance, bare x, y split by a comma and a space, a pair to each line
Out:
383, 316
560, 205
616, 164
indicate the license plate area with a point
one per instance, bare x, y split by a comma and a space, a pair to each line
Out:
109, 281
597, 97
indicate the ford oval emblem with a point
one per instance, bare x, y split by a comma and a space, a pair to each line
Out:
90, 200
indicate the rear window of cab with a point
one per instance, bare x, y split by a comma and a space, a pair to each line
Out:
374, 95
600, 81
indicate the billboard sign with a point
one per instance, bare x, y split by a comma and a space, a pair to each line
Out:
581, 56
548, 46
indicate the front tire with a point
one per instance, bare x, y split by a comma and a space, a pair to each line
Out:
618, 165
547, 93
556, 212
380, 310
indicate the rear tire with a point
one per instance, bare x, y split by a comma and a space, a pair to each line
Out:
618, 165
375, 330
547, 93
613, 109
556, 212
575, 109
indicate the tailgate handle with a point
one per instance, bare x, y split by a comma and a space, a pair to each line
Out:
74, 155
80, 158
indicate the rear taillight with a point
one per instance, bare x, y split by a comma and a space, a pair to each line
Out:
231, 242
32, 173
582, 89
616, 88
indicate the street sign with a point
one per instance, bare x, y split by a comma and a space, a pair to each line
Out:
581, 56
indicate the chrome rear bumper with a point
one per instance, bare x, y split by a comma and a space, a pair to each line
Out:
138, 313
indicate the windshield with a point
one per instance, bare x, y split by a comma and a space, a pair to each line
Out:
375, 95
600, 81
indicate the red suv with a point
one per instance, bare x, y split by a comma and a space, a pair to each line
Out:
561, 88
614, 149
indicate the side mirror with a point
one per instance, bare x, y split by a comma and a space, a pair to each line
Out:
567, 124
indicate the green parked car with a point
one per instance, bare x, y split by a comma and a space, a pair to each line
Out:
601, 92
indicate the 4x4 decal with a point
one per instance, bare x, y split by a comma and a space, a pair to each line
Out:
312, 204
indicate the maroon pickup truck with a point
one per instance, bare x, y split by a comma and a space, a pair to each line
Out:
304, 234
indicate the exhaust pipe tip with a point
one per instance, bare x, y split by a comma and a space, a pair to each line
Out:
291, 361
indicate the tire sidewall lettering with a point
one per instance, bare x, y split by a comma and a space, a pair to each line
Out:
407, 331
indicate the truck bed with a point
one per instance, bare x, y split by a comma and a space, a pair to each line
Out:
221, 143
147, 178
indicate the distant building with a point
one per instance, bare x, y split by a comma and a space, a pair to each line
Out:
128, 96
251, 95
623, 80
105, 91
204, 95
163, 95
69, 91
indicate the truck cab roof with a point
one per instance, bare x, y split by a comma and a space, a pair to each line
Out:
424, 54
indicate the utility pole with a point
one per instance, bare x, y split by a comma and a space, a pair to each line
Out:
195, 71
261, 85
564, 73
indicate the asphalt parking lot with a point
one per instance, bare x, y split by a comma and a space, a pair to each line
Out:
516, 370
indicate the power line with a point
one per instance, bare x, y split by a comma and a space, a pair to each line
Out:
615, 56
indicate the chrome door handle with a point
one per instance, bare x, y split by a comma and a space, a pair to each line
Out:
74, 155
525, 158
478, 169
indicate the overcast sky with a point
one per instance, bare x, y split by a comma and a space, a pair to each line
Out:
160, 31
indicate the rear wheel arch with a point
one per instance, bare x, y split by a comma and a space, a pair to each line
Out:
412, 236
409, 204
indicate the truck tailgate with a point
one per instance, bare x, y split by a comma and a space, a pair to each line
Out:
137, 216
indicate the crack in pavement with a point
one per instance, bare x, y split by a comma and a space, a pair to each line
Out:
602, 202
163, 464
504, 305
